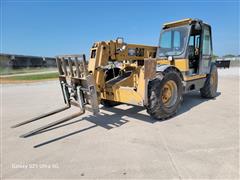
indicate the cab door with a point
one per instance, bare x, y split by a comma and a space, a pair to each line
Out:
206, 50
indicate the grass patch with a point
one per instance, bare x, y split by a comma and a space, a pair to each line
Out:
33, 77
9, 71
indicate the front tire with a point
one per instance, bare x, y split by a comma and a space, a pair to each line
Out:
165, 95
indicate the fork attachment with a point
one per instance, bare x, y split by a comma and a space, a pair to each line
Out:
78, 89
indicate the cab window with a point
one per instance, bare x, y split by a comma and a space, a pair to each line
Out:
173, 41
206, 42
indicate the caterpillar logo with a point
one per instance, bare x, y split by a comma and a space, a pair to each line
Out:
136, 52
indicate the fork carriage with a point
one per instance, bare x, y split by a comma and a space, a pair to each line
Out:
78, 86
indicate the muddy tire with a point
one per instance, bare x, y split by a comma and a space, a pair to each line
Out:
165, 95
209, 89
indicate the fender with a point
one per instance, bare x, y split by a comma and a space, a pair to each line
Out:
211, 66
163, 67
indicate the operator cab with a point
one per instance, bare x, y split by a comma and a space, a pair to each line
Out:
193, 48
187, 39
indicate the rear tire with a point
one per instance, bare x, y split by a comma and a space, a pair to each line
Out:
209, 89
165, 95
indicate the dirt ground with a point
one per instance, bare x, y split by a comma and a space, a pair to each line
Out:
201, 142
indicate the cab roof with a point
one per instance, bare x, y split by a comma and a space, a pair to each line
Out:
182, 22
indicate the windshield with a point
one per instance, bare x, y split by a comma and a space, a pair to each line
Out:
173, 41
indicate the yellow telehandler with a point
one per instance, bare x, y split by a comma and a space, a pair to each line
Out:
151, 76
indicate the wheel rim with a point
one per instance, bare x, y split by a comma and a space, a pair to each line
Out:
169, 93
